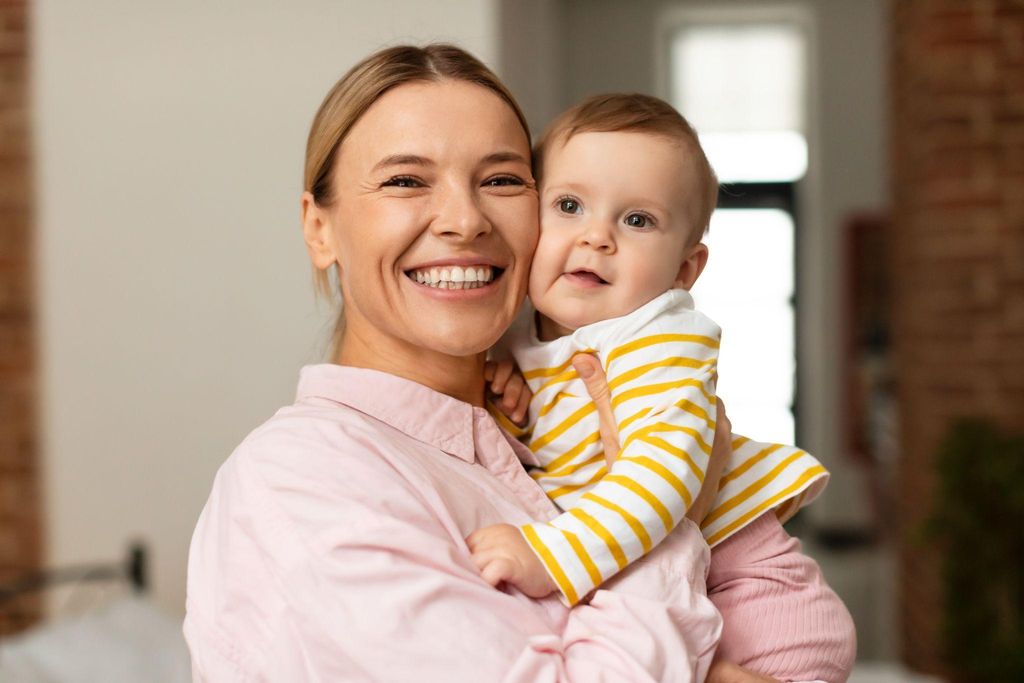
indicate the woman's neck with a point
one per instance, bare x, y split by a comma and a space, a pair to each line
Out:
460, 377
548, 329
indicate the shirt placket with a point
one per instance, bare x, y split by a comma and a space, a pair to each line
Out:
494, 453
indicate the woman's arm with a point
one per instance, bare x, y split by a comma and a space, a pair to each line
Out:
780, 617
292, 583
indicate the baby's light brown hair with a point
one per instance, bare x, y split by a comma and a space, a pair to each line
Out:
634, 113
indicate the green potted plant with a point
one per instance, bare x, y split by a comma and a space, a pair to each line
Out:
978, 520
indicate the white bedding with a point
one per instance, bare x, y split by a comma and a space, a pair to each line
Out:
127, 641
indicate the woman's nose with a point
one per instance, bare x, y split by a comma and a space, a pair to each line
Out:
460, 216
597, 236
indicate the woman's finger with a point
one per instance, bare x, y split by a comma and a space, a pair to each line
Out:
502, 373
588, 366
513, 390
519, 414
722, 424
721, 451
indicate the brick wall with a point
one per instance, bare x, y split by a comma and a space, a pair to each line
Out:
957, 253
20, 542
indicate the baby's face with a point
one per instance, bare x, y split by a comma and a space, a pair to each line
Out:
616, 212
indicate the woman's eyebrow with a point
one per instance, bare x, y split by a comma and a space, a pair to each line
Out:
402, 160
499, 157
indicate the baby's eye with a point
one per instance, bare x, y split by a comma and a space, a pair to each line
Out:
638, 220
402, 181
568, 205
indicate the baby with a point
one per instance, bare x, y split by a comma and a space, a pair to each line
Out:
626, 194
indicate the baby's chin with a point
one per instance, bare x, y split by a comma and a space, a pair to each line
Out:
554, 324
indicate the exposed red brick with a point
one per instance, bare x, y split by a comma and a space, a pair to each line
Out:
20, 525
957, 258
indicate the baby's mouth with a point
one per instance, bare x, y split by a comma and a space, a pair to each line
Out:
587, 276
455, 277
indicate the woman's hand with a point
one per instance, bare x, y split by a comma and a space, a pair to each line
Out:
508, 390
721, 452
727, 672
588, 366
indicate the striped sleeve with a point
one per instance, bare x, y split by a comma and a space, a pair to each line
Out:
662, 388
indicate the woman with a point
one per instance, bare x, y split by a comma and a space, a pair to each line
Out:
332, 546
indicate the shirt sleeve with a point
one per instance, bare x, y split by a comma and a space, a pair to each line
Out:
290, 583
781, 617
662, 387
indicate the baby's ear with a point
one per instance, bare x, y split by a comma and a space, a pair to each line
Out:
693, 265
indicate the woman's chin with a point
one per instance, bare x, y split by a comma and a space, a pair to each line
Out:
458, 343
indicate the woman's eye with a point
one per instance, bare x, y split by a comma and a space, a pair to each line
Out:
567, 205
402, 181
504, 181
638, 220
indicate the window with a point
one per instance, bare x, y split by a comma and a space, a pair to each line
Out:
740, 79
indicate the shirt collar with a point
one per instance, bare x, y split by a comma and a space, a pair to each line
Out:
419, 411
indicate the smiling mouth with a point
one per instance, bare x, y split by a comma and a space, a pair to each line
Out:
588, 276
455, 277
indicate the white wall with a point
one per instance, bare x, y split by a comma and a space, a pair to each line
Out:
176, 304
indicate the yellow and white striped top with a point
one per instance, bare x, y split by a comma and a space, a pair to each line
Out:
661, 366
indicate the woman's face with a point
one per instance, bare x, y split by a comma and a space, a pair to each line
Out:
434, 220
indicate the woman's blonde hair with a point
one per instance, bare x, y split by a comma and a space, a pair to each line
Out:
363, 85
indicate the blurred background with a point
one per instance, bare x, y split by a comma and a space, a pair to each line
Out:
867, 267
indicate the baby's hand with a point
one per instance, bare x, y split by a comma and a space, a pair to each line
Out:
511, 394
501, 554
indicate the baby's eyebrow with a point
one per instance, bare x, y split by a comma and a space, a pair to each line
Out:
563, 187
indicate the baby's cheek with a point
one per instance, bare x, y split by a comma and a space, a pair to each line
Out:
545, 266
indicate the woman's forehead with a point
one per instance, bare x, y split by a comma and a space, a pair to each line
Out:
437, 118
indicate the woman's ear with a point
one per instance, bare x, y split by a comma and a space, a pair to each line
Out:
693, 265
316, 231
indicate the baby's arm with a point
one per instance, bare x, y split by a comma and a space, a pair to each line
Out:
662, 392
501, 552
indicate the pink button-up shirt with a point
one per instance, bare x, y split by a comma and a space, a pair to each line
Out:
332, 548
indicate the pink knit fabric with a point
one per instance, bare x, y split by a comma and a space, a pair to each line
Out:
781, 618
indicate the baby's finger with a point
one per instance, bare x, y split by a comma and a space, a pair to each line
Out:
479, 540
489, 368
497, 570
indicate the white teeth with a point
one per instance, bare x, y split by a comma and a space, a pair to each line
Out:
454, 277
